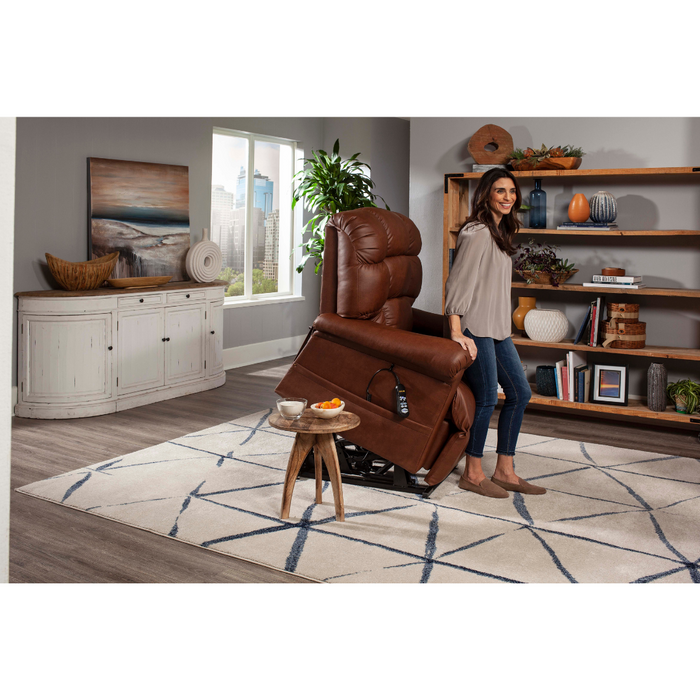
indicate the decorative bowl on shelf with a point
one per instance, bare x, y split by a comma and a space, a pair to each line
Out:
547, 164
326, 413
546, 277
133, 282
613, 272
559, 164
81, 276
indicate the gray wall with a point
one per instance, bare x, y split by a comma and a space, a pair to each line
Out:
51, 189
439, 146
384, 145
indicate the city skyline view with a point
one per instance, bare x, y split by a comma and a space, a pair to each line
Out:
229, 216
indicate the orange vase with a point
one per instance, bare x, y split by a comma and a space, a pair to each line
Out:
579, 210
525, 304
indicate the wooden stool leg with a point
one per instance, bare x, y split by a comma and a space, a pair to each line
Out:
318, 465
326, 446
303, 442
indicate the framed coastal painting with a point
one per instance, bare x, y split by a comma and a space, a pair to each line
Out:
141, 210
610, 384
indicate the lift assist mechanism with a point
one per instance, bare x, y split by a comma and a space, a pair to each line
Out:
361, 467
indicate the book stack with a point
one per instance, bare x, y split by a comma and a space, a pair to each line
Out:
586, 226
483, 168
592, 322
573, 378
619, 281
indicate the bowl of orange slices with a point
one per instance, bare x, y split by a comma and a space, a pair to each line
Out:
327, 409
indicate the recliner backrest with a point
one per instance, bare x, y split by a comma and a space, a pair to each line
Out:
371, 268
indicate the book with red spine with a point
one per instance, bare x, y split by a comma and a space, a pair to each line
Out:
594, 311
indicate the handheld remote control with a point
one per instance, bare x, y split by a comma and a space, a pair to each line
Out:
401, 401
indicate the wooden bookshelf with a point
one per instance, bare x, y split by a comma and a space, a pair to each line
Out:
456, 210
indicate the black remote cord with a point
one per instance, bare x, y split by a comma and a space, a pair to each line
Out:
401, 399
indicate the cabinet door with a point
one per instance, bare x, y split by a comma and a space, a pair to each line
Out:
185, 351
66, 358
141, 350
215, 354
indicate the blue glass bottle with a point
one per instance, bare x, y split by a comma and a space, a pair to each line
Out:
538, 206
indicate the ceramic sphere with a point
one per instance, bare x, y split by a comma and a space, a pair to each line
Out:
546, 325
603, 207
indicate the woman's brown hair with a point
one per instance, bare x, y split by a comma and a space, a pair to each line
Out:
506, 231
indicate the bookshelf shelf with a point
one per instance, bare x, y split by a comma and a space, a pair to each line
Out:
635, 408
456, 210
645, 291
603, 172
692, 354
592, 232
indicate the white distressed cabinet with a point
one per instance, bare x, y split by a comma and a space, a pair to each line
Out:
105, 350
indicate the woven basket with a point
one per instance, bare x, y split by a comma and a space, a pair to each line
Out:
624, 335
546, 277
83, 275
623, 313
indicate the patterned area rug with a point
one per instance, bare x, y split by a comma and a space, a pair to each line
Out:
610, 515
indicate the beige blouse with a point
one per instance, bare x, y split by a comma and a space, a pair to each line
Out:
478, 288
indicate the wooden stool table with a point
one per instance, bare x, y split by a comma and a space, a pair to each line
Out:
316, 433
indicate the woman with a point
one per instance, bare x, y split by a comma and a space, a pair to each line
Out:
478, 307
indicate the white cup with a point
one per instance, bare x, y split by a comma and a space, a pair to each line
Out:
291, 408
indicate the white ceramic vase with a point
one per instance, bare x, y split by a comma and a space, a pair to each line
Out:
546, 325
203, 261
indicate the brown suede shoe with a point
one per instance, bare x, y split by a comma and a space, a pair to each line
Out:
521, 487
485, 488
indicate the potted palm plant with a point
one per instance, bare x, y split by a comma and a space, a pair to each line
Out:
330, 184
685, 395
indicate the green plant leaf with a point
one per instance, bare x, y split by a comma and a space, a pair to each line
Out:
329, 184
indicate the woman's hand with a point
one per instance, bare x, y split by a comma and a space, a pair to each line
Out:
466, 343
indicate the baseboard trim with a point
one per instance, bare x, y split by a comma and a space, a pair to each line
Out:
261, 352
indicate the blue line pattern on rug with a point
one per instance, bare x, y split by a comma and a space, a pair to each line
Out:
638, 512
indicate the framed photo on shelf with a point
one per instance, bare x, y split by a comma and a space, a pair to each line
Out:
610, 384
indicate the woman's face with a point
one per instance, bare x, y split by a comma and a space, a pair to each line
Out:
502, 197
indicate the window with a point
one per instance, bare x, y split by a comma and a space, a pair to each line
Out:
251, 215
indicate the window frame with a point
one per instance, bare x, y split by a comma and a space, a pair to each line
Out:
295, 293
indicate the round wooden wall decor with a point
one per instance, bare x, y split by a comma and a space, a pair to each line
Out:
490, 135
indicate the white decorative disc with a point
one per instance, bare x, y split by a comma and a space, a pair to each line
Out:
203, 261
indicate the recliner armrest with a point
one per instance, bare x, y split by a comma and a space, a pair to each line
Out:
439, 358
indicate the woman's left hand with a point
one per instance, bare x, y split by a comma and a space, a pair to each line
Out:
466, 343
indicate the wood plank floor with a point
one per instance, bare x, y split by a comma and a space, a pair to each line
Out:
51, 543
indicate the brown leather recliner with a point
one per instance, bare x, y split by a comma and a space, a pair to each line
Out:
371, 277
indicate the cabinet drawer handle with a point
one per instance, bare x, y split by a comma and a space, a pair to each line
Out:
164, 339
168, 339
109, 348
211, 333
140, 301
187, 296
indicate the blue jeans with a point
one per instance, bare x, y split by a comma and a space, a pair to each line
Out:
497, 362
